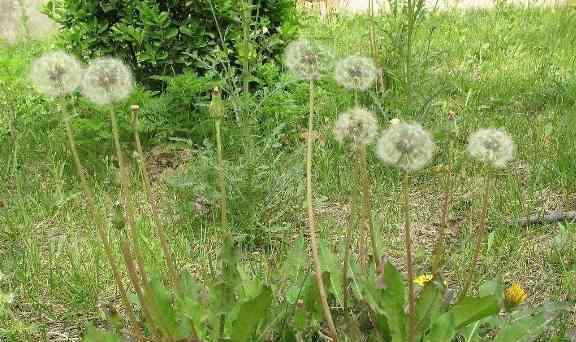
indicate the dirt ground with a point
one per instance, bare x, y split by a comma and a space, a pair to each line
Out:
22, 18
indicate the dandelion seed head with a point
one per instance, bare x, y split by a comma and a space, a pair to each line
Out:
307, 60
406, 146
107, 80
56, 74
357, 127
491, 146
356, 73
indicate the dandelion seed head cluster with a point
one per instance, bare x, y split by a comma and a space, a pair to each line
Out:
106, 81
307, 60
356, 73
492, 146
56, 74
406, 146
357, 126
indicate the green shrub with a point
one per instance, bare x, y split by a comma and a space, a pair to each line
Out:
160, 38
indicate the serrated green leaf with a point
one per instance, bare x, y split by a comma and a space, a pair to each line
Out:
428, 305
251, 313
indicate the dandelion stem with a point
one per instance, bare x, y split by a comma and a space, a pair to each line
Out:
367, 203
408, 245
221, 176
133, 274
439, 248
312, 220
479, 237
100, 226
127, 197
152, 202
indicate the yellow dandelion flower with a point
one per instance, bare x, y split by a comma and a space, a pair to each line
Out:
423, 279
515, 294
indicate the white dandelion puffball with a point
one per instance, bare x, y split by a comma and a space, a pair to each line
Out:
357, 126
56, 74
491, 146
308, 60
106, 81
406, 146
356, 73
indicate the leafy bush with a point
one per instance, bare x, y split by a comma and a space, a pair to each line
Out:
159, 38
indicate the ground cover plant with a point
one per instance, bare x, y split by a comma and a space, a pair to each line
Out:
417, 239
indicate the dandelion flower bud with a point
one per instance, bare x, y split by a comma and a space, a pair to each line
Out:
307, 60
515, 295
107, 80
56, 74
491, 146
357, 126
407, 146
356, 73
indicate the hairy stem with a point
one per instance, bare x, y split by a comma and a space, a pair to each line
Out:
127, 198
408, 246
102, 230
444, 219
133, 274
312, 220
367, 204
221, 176
152, 202
479, 237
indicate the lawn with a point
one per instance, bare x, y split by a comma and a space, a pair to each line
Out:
507, 68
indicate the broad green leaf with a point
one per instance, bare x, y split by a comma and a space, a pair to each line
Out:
251, 313
96, 335
493, 287
162, 309
472, 309
331, 264
529, 326
428, 305
388, 300
443, 329
468, 310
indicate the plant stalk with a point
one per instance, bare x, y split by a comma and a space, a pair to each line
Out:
221, 176
479, 237
100, 226
409, 270
127, 198
312, 220
367, 204
444, 220
152, 202
133, 274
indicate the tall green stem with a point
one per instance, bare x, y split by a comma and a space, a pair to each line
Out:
312, 219
479, 237
100, 225
133, 274
444, 216
152, 202
408, 246
367, 204
221, 177
127, 198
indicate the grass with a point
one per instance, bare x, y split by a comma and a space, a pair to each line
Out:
510, 68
